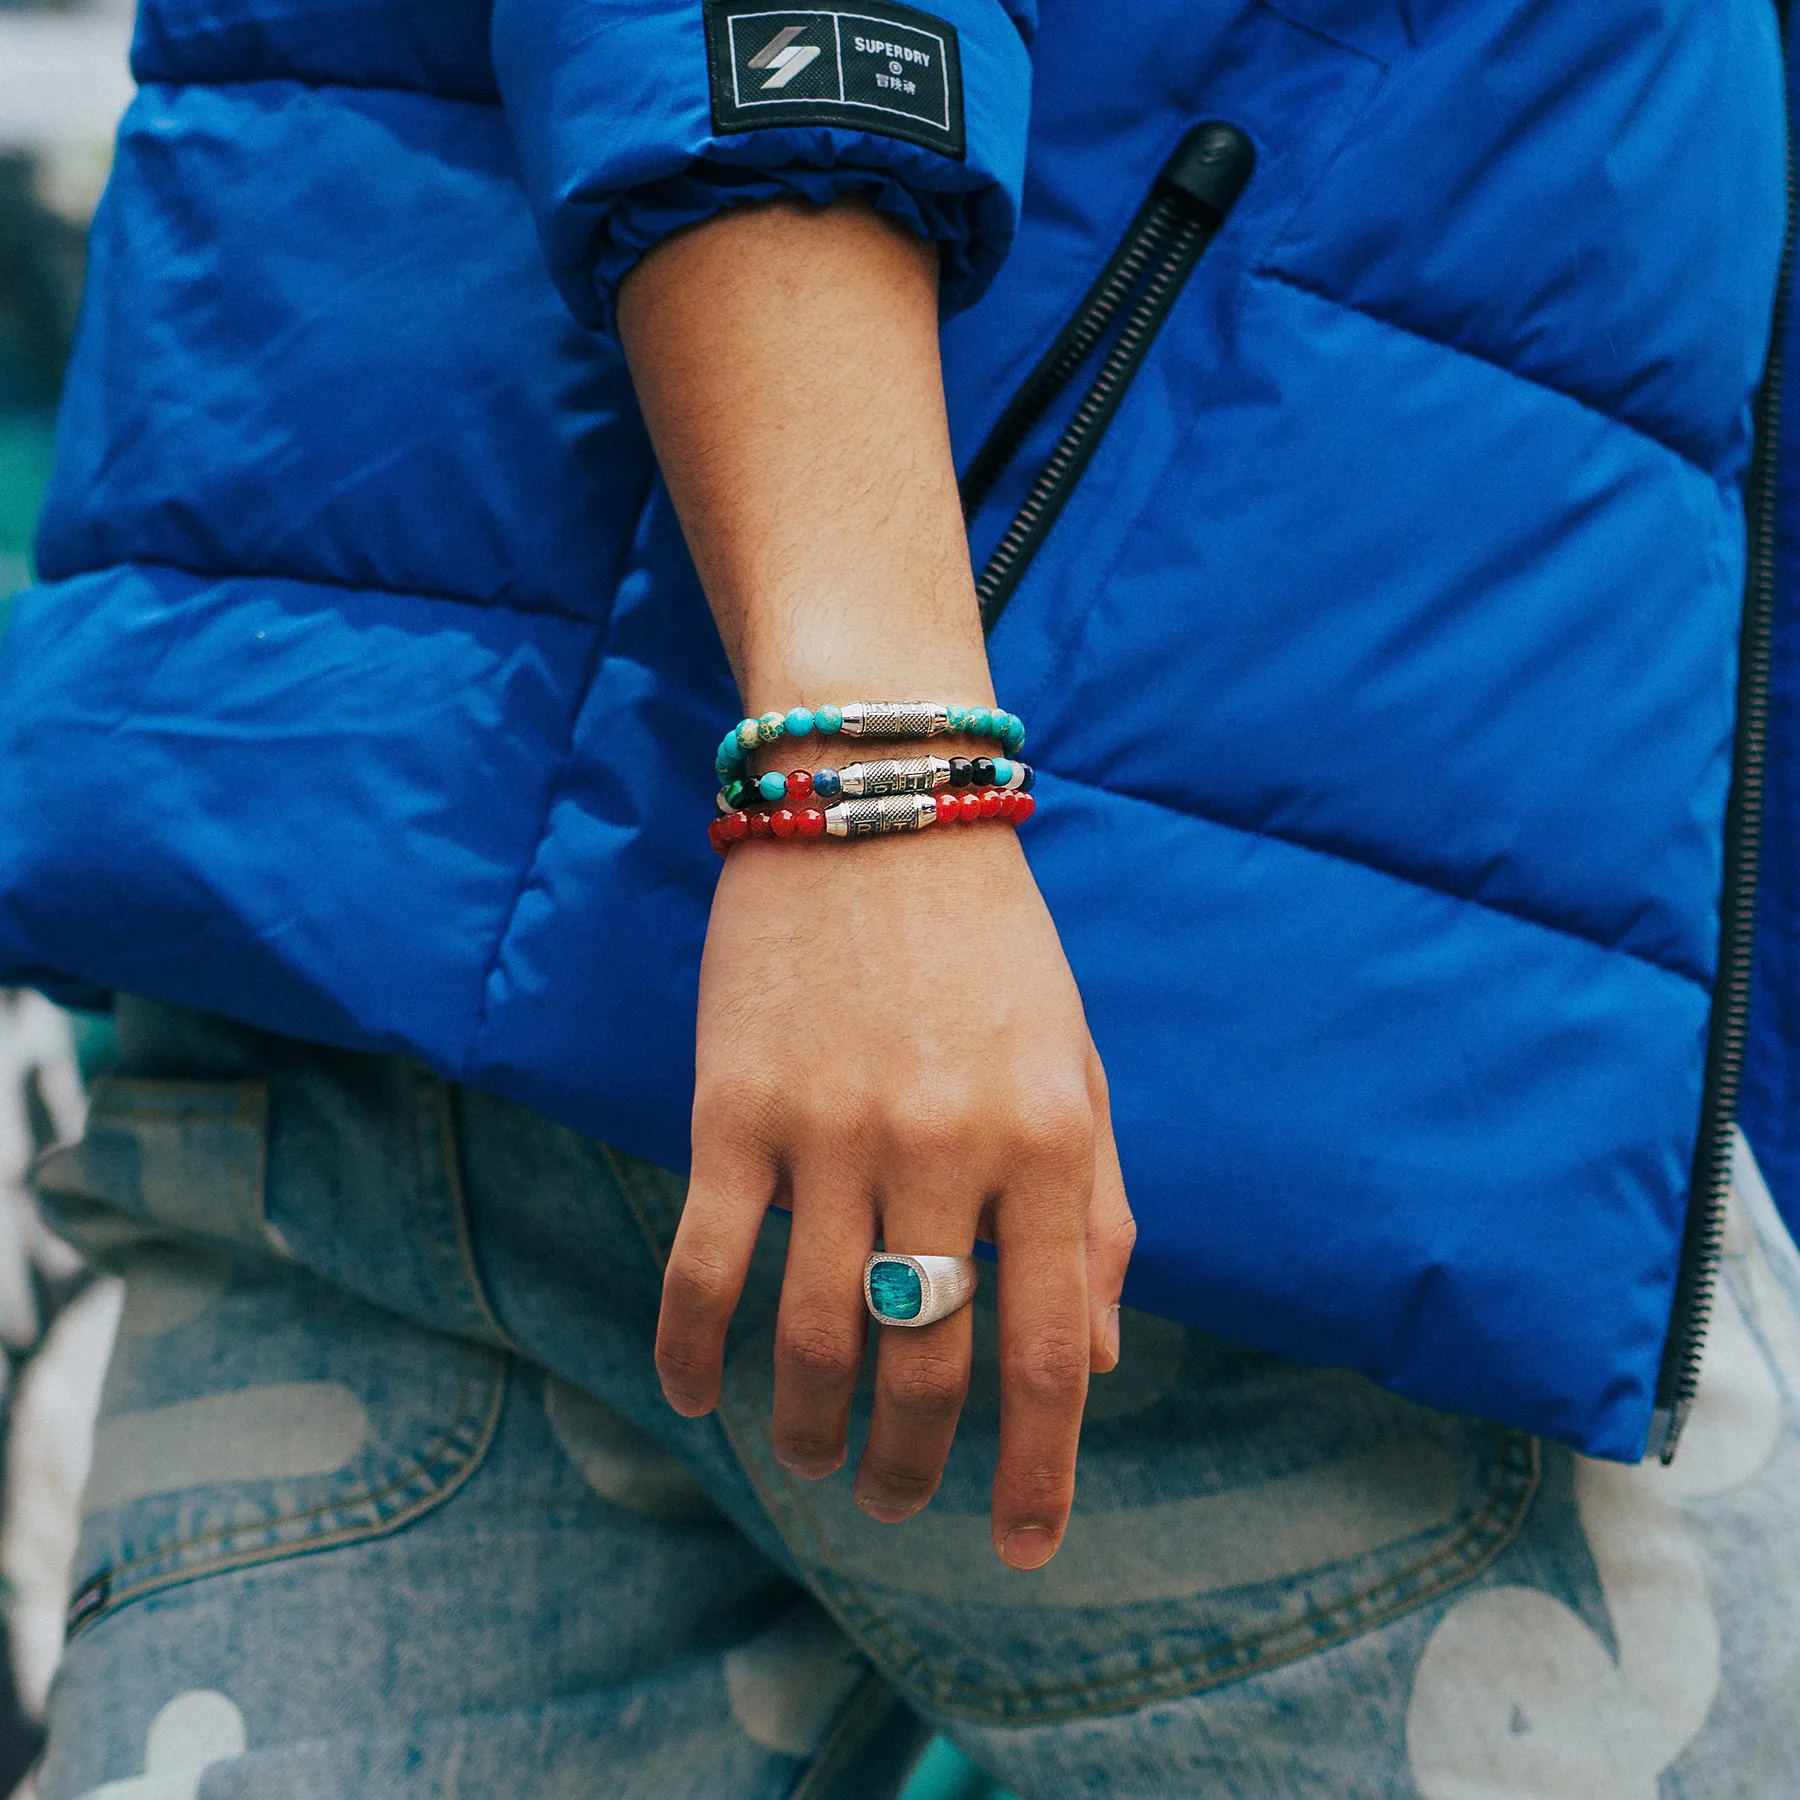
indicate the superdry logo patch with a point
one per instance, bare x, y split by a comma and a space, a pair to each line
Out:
883, 68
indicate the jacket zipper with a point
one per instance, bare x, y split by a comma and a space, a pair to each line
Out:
1190, 200
1703, 1239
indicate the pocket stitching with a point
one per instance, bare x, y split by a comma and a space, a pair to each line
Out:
1490, 1528
470, 1416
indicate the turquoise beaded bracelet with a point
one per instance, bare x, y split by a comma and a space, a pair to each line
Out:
872, 719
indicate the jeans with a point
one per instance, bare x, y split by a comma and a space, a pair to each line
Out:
385, 1502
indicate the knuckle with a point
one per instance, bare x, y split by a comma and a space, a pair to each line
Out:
699, 1281
683, 1361
825, 1349
738, 1102
933, 1122
1050, 1366
1055, 1130
1034, 1480
904, 1483
925, 1385
1118, 1236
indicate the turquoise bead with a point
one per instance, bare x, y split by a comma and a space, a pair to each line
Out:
828, 719
799, 721
769, 727
772, 786
980, 722
748, 734
1014, 737
731, 752
959, 718
1003, 772
896, 1290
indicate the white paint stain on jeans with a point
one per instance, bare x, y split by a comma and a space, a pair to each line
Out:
190, 1734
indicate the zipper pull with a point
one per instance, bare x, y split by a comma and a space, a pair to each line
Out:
1209, 169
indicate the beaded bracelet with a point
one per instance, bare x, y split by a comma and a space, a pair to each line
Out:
911, 775
872, 818
872, 719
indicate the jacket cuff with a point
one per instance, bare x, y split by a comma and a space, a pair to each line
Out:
617, 109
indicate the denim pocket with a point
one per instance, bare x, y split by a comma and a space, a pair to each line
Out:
252, 1411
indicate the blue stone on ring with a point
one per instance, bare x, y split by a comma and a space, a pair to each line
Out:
896, 1291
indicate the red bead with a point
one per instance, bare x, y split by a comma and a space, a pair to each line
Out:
990, 803
949, 811
736, 825
799, 785
715, 835
968, 803
812, 822
1027, 806
759, 825
1006, 804
783, 823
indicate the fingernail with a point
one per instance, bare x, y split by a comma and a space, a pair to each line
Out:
1028, 1546
885, 1512
809, 1471
1112, 1335
690, 1406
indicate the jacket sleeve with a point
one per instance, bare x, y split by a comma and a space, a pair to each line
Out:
635, 118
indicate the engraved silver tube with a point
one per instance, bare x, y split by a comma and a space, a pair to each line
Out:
909, 775
875, 818
895, 719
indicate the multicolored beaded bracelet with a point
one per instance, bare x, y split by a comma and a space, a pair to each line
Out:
872, 719
872, 818
870, 780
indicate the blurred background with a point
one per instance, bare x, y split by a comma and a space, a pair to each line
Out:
64, 82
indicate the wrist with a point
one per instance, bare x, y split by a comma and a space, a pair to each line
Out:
846, 642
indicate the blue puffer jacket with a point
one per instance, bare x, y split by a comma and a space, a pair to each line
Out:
1380, 665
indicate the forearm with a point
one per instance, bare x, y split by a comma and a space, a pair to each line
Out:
786, 359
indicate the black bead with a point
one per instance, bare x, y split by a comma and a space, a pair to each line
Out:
962, 771
983, 767
1030, 778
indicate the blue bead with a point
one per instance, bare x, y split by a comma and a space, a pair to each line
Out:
896, 1290
1030, 780
828, 719
980, 721
730, 750
772, 786
1014, 739
1003, 772
827, 783
799, 721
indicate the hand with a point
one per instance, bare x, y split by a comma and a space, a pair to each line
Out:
891, 1044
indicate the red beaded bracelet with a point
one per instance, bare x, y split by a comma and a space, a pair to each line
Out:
1006, 804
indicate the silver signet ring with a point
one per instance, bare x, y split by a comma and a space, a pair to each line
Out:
917, 1290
